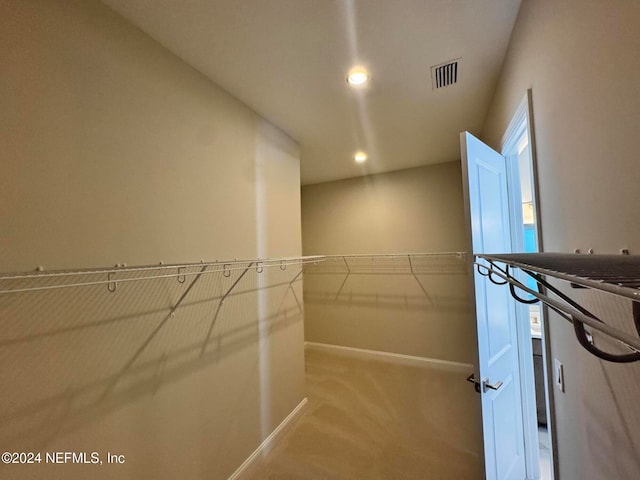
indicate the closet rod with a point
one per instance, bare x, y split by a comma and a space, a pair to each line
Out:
223, 266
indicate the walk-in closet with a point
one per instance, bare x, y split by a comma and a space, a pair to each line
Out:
319, 240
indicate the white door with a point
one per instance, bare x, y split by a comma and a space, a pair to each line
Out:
487, 199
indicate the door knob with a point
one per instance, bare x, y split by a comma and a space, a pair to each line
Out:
487, 386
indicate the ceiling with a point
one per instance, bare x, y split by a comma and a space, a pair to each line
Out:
288, 60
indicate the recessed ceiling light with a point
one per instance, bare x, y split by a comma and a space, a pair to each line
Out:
357, 76
360, 157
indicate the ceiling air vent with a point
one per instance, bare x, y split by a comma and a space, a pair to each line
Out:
444, 74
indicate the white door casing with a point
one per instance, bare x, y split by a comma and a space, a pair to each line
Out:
486, 201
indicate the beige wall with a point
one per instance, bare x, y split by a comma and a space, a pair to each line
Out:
415, 210
115, 151
580, 59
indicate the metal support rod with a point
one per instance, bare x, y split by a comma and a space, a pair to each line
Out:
424, 290
213, 323
616, 274
295, 278
346, 277
346, 264
581, 333
627, 339
219, 307
386, 264
236, 282
293, 290
186, 292
141, 349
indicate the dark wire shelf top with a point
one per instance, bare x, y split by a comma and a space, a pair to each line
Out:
617, 274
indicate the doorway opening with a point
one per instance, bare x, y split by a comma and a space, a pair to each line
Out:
518, 150
502, 215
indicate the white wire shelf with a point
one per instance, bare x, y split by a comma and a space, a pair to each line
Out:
42, 280
614, 274
392, 264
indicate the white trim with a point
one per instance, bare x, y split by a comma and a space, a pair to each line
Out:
514, 130
544, 315
518, 127
266, 445
398, 358
521, 122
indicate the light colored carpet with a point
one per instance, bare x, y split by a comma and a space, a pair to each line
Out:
378, 420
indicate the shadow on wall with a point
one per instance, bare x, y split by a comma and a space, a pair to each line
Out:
610, 397
391, 305
413, 272
70, 356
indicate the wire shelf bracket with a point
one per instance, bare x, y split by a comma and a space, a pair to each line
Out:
391, 264
615, 274
186, 273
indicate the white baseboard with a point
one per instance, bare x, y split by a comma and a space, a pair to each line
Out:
391, 357
268, 442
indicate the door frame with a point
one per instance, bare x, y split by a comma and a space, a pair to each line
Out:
524, 116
